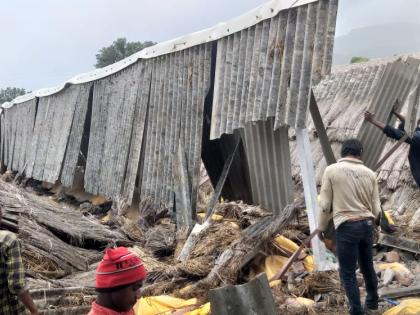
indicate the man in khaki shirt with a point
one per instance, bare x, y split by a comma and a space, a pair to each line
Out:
350, 196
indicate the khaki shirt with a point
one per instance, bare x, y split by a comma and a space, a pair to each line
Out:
349, 192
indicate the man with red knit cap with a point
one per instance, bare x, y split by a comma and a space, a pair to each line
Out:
119, 278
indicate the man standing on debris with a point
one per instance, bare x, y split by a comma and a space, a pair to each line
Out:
350, 196
13, 293
119, 278
397, 134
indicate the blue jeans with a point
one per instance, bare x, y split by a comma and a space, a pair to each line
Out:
354, 244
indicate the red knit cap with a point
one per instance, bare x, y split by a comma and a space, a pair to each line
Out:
119, 267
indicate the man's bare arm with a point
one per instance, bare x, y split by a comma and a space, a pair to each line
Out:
26, 298
396, 113
370, 117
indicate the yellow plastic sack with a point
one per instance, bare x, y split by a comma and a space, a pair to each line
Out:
305, 301
285, 244
274, 283
215, 217
161, 305
309, 263
389, 218
202, 310
271, 265
397, 267
406, 307
289, 246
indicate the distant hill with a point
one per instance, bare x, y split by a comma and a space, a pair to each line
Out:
377, 41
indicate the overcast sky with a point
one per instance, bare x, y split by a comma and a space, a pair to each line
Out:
45, 42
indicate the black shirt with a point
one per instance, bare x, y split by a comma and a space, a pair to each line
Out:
414, 142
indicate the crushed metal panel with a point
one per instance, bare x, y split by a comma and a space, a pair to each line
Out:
64, 108
180, 83
17, 133
269, 166
344, 95
114, 105
399, 78
75, 136
45, 127
50, 135
267, 70
254, 297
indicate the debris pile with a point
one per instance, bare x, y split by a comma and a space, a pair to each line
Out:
63, 243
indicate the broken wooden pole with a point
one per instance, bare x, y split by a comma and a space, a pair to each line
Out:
296, 254
254, 297
198, 228
222, 180
399, 242
390, 152
244, 249
309, 188
322, 133
399, 292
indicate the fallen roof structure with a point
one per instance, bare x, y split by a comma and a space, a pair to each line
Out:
342, 97
123, 123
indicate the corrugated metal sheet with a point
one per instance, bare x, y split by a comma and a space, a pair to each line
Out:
73, 150
180, 83
51, 131
268, 156
397, 81
16, 134
342, 98
119, 104
136, 117
267, 70
265, 11
344, 95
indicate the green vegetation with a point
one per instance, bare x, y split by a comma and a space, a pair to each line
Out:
358, 59
119, 50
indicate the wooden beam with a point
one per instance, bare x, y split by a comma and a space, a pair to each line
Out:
198, 228
322, 133
399, 292
296, 254
390, 152
400, 243
309, 188
222, 180
254, 297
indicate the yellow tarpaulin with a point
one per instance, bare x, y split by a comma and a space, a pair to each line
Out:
203, 310
290, 247
406, 307
389, 218
162, 305
214, 217
397, 267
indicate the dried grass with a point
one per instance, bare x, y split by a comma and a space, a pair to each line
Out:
161, 239
41, 264
213, 241
321, 283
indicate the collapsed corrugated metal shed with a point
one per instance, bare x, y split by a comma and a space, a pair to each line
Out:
123, 123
